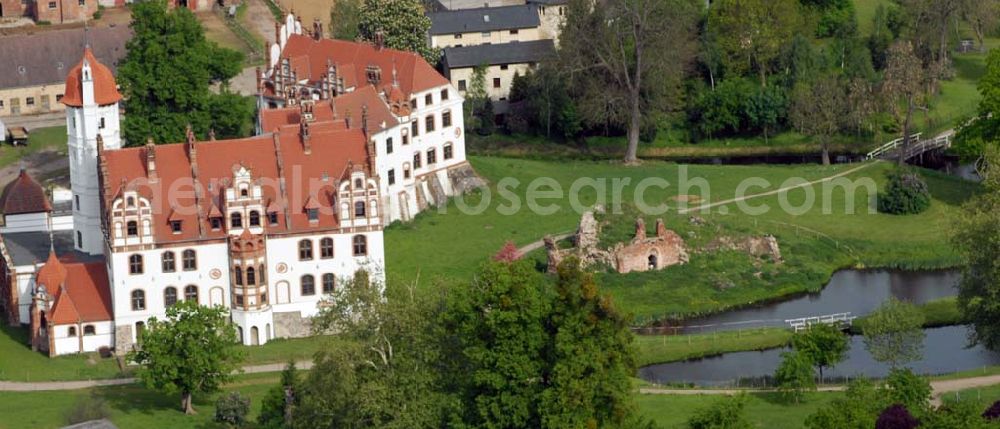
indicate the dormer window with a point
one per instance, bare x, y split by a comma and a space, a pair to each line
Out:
175, 226
216, 223
374, 74
132, 228
272, 218
312, 214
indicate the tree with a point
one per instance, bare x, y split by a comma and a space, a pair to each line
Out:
983, 16
824, 345
590, 357
977, 238
475, 100
952, 414
821, 110
498, 325
753, 32
345, 15
166, 76
766, 108
278, 405
627, 58
896, 417
983, 130
398, 24
192, 351
231, 409
857, 409
893, 334
380, 371
794, 375
508, 253
911, 390
725, 413
902, 85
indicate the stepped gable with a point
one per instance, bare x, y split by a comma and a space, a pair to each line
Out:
24, 195
309, 57
332, 147
105, 88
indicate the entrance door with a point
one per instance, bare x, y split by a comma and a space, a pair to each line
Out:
254, 337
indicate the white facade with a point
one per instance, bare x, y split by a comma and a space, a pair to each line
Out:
83, 126
82, 337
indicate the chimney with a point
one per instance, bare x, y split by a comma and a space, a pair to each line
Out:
192, 149
364, 119
640, 229
379, 40
151, 160
317, 29
304, 135
211, 134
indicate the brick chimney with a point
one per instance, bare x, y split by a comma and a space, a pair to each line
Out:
192, 150
151, 160
379, 40
317, 29
304, 135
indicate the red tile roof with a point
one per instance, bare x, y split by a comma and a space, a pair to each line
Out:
309, 57
332, 149
84, 297
105, 89
24, 195
52, 274
350, 104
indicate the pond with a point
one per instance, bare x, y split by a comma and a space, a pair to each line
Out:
856, 291
944, 352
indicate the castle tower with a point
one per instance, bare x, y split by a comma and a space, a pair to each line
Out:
91, 101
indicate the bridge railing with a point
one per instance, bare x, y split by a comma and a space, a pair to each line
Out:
888, 147
829, 319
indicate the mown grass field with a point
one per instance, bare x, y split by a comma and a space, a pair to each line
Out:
653, 349
764, 410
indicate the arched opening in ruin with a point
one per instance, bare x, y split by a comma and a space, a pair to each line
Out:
652, 262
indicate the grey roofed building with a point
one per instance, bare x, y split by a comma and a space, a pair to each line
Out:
472, 4
483, 19
45, 57
499, 54
548, 2
28, 248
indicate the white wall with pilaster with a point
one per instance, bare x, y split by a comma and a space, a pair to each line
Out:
64, 343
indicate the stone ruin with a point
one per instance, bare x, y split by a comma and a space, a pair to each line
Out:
758, 247
642, 253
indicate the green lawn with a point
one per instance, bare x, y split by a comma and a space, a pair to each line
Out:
654, 349
764, 410
19, 363
51, 138
814, 242
131, 406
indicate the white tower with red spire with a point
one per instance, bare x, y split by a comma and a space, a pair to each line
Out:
91, 101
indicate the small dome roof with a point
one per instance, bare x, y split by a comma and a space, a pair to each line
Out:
105, 89
24, 195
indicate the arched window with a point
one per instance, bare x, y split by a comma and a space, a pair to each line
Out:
308, 285
132, 228
305, 250
169, 263
326, 248
359, 184
236, 220
328, 283
244, 192
130, 202
140, 330
360, 245
191, 293
135, 264
169, 296
190, 260
239, 276
89, 330
359, 209
251, 276
138, 300
260, 274
71, 331
448, 151
254, 218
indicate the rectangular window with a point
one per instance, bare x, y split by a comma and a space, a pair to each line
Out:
446, 119
413, 103
52, 5
392, 176
416, 160
216, 223
496, 82
448, 152
388, 145
461, 85
485, 34
458, 36
82, 2
101, 125
444, 94
429, 123
513, 32
272, 218
313, 215
406, 172
175, 226
428, 99
1, 104
30, 101
406, 138
431, 157
504, 67
58, 99
414, 128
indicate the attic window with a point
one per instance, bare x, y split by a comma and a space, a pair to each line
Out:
216, 223
313, 214
272, 218
175, 226
374, 74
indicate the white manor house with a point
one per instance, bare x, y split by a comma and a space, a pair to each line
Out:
351, 137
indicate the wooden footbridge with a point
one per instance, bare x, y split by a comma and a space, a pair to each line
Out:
841, 320
917, 146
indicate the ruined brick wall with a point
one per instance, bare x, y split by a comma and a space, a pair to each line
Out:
14, 8
651, 253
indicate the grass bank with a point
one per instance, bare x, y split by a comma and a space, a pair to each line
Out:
937, 313
764, 410
653, 349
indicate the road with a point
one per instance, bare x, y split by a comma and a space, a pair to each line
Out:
31, 122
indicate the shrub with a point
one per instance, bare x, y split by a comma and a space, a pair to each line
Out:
232, 409
726, 413
100, 12
896, 417
909, 389
906, 193
993, 412
91, 407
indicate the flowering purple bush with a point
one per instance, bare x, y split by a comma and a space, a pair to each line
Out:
896, 417
993, 412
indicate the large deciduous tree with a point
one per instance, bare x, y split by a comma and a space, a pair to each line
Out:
401, 24
824, 345
166, 77
983, 16
820, 110
627, 58
752, 33
902, 87
893, 334
983, 130
192, 351
977, 236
